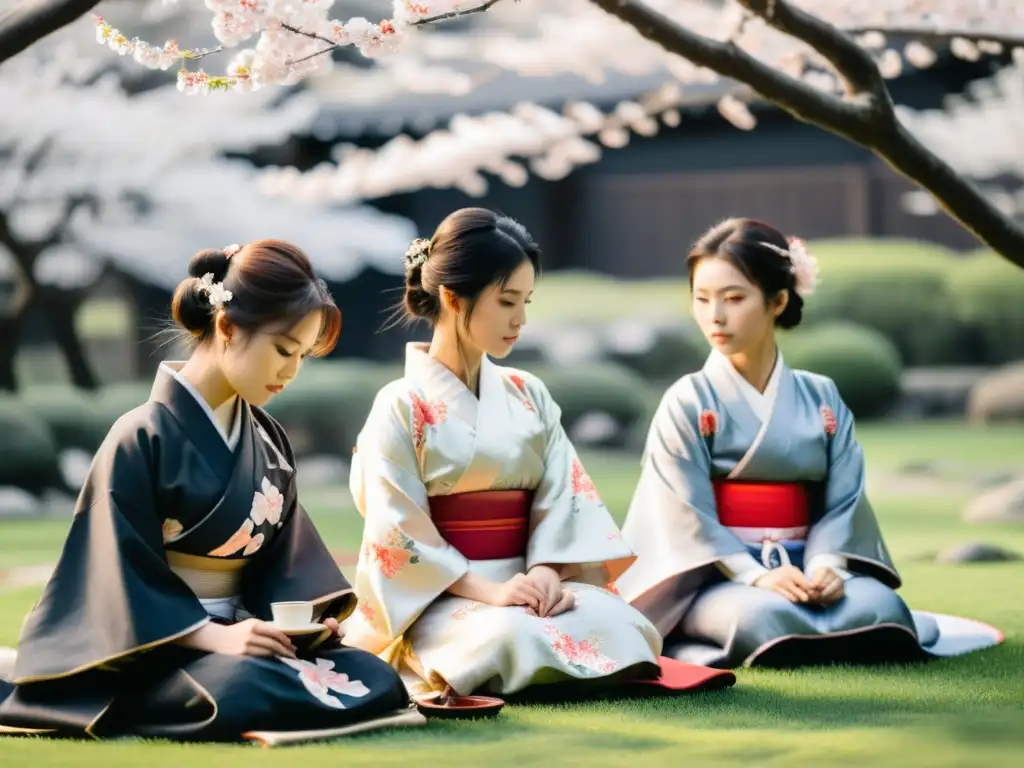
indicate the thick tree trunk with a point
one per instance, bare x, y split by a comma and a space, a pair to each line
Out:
61, 308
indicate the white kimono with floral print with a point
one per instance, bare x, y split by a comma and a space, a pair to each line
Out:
428, 435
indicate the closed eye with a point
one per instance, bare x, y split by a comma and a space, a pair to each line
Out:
284, 352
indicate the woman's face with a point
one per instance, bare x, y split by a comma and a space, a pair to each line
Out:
500, 313
730, 310
260, 364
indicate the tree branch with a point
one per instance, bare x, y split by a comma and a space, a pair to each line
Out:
455, 14
56, 236
24, 288
958, 195
852, 62
32, 20
872, 128
729, 60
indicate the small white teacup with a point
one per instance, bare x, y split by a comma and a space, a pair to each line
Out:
292, 615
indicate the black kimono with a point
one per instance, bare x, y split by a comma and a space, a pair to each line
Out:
174, 529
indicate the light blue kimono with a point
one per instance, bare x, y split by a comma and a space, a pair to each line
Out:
694, 576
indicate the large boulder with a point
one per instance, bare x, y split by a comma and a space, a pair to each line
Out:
1002, 504
998, 396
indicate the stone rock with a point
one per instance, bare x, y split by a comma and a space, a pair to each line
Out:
594, 428
1002, 504
976, 552
17, 502
74, 466
322, 471
56, 503
999, 397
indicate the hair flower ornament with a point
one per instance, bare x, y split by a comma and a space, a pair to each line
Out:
803, 265
219, 295
418, 252
231, 250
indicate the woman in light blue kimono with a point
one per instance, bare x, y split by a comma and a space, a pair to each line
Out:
755, 539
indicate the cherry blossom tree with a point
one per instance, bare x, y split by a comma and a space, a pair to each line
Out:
825, 62
92, 175
991, 112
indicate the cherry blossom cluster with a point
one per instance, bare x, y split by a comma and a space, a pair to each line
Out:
293, 40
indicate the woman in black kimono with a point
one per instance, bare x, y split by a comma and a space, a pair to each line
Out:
157, 619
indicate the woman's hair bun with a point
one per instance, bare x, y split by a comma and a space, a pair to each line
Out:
209, 261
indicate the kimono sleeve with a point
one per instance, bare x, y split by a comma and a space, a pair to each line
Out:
404, 562
672, 523
112, 594
569, 524
848, 527
297, 565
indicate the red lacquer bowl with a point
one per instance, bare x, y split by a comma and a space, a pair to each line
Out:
458, 707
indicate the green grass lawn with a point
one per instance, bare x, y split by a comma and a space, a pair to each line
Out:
960, 712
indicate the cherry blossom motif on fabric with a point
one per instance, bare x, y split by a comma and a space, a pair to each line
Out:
520, 384
463, 611
282, 462
582, 486
425, 415
320, 680
267, 507
707, 423
828, 418
171, 529
367, 612
584, 656
397, 551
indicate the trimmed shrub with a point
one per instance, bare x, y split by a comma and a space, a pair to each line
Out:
599, 388
864, 364
78, 419
324, 409
28, 454
988, 299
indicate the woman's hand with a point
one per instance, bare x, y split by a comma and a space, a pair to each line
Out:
789, 582
828, 586
519, 590
550, 583
566, 602
251, 637
334, 626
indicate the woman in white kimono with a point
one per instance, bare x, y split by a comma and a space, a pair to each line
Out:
487, 553
756, 542
156, 621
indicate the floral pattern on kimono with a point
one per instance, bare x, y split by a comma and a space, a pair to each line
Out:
267, 506
584, 656
397, 551
321, 680
520, 384
425, 415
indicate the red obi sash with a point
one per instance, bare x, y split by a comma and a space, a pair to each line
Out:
484, 525
756, 512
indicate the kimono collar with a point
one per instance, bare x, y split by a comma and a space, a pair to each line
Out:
719, 367
439, 383
757, 400
182, 399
